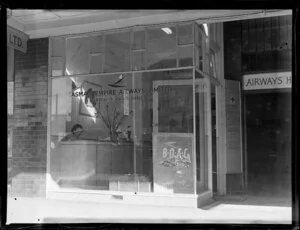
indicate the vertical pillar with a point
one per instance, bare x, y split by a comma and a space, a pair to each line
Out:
221, 114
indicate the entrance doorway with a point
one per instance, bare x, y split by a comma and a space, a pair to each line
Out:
268, 137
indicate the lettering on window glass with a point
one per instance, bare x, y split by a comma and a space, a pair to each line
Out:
174, 156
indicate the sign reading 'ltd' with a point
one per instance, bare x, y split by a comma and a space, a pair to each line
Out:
17, 39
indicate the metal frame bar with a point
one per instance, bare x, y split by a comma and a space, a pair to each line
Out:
48, 185
212, 79
194, 133
126, 72
64, 57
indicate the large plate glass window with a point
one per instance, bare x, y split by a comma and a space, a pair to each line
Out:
124, 132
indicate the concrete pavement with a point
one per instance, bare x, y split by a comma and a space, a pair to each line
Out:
38, 210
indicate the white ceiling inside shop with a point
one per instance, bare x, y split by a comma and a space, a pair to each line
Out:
44, 23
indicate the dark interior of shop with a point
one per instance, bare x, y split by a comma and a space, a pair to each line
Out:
268, 137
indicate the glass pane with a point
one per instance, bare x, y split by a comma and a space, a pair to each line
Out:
185, 34
139, 40
117, 52
199, 57
175, 106
199, 49
161, 48
57, 66
97, 44
201, 94
173, 132
58, 47
102, 133
96, 63
138, 60
212, 64
199, 35
77, 59
185, 56
91, 140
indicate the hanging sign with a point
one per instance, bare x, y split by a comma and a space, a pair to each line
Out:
267, 81
17, 39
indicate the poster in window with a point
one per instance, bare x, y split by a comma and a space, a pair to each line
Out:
173, 163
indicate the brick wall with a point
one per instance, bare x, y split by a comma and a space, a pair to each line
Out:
29, 148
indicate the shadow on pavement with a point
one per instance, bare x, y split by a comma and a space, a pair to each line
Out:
250, 200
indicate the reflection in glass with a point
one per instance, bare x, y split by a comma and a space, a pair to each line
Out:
117, 52
57, 66
58, 47
199, 47
77, 56
175, 106
97, 44
139, 40
212, 64
96, 63
185, 34
161, 48
185, 54
138, 59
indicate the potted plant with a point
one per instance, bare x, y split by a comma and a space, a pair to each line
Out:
116, 150
113, 119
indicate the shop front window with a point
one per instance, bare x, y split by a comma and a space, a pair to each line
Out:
124, 132
131, 131
138, 49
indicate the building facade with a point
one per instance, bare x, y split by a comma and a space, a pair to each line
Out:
258, 55
166, 113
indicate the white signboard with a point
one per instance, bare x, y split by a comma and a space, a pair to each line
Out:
10, 98
17, 39
267, 81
